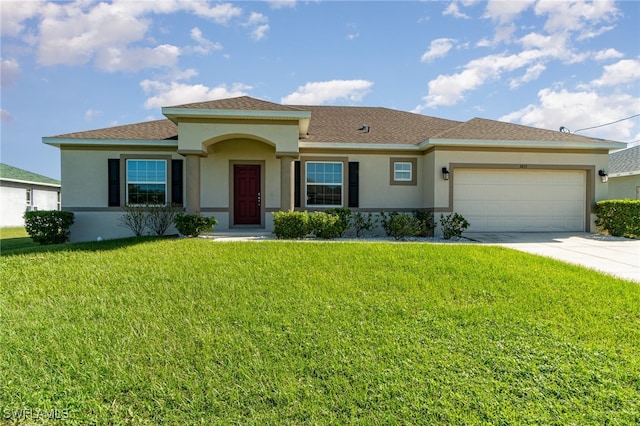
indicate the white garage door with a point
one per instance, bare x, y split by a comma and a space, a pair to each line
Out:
521, 200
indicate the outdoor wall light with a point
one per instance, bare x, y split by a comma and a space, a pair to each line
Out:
603, 175
445, 173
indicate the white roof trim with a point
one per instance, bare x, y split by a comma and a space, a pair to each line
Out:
172, 113
624, 174
110, 142
610, 145
31, 182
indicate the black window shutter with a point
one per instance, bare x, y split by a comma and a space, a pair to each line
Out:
296, 184
114, 182
354, 185
176, 182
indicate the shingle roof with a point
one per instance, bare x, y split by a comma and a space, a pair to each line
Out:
341, 124
240, 103
8, 172
626, 161
148, 130
483, 129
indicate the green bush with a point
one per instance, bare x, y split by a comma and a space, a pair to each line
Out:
344, 219
362, 222
290, 225
453, 225
192, 225
400, 225
325, 225
620, 218
427, 222
48, 226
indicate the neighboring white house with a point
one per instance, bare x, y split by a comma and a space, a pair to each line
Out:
624, 174
21, 191
241, 159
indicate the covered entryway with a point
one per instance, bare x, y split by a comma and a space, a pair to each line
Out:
521, 200
247, 198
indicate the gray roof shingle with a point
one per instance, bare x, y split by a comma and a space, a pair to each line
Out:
626, 161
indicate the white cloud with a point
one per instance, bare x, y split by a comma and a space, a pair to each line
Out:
437, 49
114, 59
258, 24
622, 72
578, 110
280, 4
454, 11
90, 113
175, 93
323, 92
504, 12
576, 15
204, 46
603, 55
10, 71
221, 13
14, 13
532, 73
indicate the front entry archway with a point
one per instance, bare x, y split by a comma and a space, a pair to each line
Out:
247, 196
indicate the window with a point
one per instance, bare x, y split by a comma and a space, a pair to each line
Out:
402, 172
29, 196
146, 182
324, 184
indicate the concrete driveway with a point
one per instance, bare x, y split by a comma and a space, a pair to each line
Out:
613, 255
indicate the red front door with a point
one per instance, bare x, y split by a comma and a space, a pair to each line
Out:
246, 194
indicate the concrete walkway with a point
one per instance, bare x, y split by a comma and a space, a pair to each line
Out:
616, 256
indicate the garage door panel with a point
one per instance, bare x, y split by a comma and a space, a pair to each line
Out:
521, 200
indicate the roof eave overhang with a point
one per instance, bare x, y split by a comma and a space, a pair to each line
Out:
30, 182
608, 145
302, 117
624, 174
58, 142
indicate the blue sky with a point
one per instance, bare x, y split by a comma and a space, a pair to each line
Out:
72, 66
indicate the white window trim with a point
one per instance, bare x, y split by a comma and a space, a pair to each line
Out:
306, 185
396, 171
165, 182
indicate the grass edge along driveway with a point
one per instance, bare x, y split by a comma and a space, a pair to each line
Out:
190, 332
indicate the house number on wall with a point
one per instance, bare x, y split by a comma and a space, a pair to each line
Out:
523, 166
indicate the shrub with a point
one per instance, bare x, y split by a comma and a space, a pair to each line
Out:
344, 219
427, 222
192, 225
325, 225
159, 218
362, 222
48, 226
400, 225
290, 225
620, 218
135, 218
453, 225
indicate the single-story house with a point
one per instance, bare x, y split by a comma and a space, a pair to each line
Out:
21, 191
624, 174
241, 159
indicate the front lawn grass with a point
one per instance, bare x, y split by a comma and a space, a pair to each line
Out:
193, 332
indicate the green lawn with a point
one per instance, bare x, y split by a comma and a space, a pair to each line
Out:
186, 331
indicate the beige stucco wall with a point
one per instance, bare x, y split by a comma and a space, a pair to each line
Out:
196, 136
624, 187
85, 175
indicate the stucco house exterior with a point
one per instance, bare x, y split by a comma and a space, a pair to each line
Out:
241, 159
21, 191
624, 174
